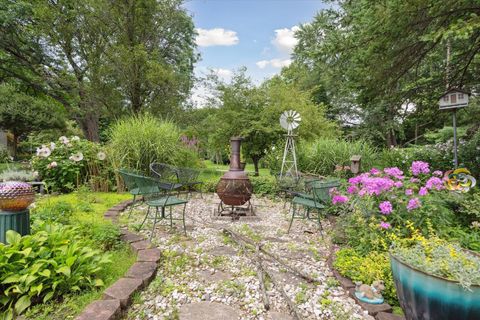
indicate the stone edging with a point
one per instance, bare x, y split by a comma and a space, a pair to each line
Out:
117, 297
379, 311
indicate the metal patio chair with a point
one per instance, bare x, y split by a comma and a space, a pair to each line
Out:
162, 199
188, 178
316, 200
128, 177
166, 174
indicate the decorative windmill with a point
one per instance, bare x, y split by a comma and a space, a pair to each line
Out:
289, 120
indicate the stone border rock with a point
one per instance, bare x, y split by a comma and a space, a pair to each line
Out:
117, 297
379, 311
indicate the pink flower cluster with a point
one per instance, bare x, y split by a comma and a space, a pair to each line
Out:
413, 203
385, 225
419, 167
386, 207
339, 199
394, 172
434, 183
368, 185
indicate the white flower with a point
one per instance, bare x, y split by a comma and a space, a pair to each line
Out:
75, 138
69, 145
35, 174
101, 155
76, 157
44, 151
64, 140
52, 146
52, 164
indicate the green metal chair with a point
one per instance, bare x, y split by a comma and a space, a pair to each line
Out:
165, 174
162, 199
317, 200
128, 177
188, 178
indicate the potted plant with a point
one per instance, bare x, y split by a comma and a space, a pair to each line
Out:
435, 279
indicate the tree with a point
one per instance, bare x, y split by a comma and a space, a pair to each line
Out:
22, 114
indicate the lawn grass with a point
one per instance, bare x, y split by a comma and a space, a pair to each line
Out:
213, 170
122, 257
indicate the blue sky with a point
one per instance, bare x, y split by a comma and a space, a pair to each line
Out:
257, 34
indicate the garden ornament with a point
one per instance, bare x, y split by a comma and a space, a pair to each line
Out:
16, 195
289, 120
370, 294
459, 180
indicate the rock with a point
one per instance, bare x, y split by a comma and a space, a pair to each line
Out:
148, 255
101, 310
143, 271
141, 245
217, 276
223, 251
130, 237
389, 316
122, 290
208, 310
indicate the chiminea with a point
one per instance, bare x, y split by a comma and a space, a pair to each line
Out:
235, 188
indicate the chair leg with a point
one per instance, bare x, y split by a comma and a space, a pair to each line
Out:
183, 219
146, 216
154, 223
320, 224
293, 215
131, 206
171, 218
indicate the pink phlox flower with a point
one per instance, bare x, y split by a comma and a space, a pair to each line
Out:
413, 203
375, 171
358, 179
414, 180
409, 192
398, 184
419, 167
386, 207
385, 225
377, 185
394, 172
437, 173
352, 189
434, 183
423, 191
339, 199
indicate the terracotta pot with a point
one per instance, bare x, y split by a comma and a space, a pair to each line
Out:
15, 195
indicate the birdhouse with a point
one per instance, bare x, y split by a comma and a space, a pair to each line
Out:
355, 166
454, 98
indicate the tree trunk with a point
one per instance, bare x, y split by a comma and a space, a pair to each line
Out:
14, 146
391, 138
255, 164
90, 126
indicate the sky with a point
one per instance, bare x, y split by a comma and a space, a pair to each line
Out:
257, 34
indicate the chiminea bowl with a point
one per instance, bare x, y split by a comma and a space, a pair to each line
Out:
15, 195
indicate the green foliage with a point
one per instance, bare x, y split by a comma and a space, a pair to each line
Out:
105, 236
137, 141
58, 212
321, 156
17, 175
367, 268
71, 162
39, 267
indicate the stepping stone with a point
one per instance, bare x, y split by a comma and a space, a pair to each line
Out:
122, 290
223, 251
208, 310
273, 315
143, 271
218, 276
149, 255
101, 310
389, 316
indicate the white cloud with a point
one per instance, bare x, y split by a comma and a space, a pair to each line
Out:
216, 37
285, 39
275, 63
224, 74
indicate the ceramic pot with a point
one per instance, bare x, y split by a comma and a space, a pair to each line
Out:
15, 195
426, 297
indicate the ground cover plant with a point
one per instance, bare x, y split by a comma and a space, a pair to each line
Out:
67, 261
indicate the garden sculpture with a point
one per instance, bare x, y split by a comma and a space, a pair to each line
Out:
459, 180
289, 120
370, 294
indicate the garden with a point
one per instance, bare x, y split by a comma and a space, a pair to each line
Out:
337, 188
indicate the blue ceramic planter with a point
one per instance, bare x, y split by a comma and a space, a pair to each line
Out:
426, 297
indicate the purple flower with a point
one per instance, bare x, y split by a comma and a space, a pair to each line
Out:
419, 167
434, 182
375, 171
339, 199
423, 191
413, 203
437, 173
386, 207
398, 184
414, 180
352, 189
385, 225
409, 192
394, 172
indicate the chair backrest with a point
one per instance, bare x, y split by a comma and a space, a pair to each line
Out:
187, 175
321, 190
288, 182
164, 172
128, 178
146, 185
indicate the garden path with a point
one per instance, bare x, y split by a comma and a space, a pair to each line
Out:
207, 276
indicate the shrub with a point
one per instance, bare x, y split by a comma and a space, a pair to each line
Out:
47, 264
373, 266
137, 141
58, 212
105, 236
65, 165
17, 175
264, 185
323, 155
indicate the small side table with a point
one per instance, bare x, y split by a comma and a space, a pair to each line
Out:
18, 221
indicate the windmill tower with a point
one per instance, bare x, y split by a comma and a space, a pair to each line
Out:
289, 120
